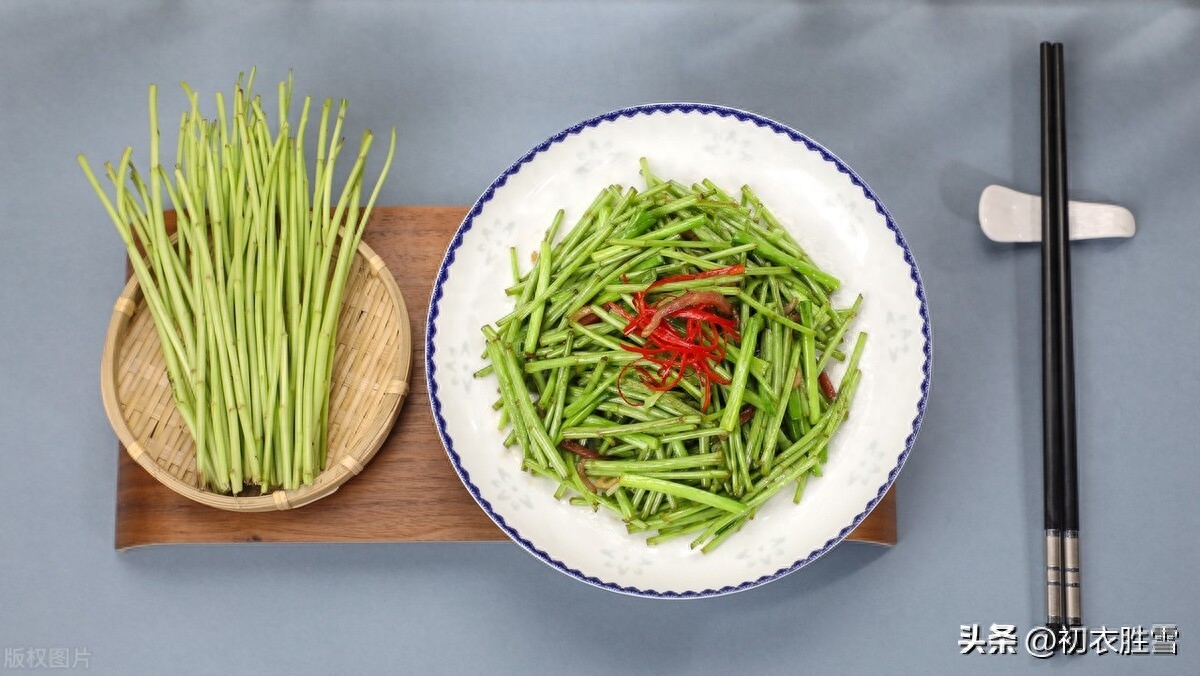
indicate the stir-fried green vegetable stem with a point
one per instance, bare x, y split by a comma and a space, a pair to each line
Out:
666, 359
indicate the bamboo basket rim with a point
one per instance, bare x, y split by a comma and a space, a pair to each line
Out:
324, 484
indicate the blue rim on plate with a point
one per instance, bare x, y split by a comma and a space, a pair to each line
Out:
651, 109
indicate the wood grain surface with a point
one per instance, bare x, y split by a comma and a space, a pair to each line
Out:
409, 491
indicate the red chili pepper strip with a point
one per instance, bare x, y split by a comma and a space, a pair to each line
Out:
690, 299
662, 385
618, 310
719, 272
708, 320
826, 385
701, 314
620, 378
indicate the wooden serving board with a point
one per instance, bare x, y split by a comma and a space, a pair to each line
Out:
409, 491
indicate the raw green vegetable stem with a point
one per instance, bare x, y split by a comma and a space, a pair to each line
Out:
246, 298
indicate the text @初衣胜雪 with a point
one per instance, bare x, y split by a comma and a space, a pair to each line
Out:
1042, 642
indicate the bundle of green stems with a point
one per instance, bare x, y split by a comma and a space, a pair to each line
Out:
566, 366
246, 296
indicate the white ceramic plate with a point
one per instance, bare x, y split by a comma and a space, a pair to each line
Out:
831, 212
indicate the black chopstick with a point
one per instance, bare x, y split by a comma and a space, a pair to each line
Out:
1051, 311
1058, 362
1066, 364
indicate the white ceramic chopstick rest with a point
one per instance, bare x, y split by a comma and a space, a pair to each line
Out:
1007, 215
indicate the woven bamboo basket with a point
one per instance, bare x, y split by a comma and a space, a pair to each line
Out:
371, 369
